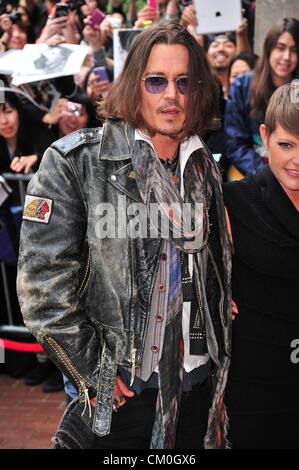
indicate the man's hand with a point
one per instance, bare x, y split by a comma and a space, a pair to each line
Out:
242, 29
242, 41
121, 392
235, 310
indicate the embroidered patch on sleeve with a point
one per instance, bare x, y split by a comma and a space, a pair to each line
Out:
37, 209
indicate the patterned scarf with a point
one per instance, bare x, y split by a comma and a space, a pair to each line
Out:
201, 180
184, 222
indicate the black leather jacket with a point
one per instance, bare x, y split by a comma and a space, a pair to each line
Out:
87, 300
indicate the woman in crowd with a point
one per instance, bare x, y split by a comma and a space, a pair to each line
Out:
75, 114
19, 153
250, 93
19, 150
263, 383
14, 35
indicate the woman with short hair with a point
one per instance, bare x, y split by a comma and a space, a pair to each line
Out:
263, 384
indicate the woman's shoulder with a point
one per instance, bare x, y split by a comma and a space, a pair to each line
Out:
259, 209
236, 189
260, 199
245, 194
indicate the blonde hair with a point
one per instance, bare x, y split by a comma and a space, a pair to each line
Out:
283, 109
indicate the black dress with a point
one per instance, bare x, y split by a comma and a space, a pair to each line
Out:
263, 386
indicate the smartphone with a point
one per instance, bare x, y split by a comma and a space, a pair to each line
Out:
101, 73
62, 9
152, 4
96, 18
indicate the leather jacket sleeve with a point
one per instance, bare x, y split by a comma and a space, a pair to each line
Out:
53, 267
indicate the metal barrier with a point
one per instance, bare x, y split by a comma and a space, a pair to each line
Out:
21, 179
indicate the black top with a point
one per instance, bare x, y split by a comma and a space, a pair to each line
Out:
263, 384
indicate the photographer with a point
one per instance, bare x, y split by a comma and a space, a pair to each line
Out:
64, 26
14, 34
69, 116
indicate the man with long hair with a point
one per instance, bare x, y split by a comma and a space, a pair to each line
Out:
126, 282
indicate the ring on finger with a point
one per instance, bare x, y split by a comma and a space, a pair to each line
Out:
116, 401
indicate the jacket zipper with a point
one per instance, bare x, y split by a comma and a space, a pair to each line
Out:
132, 345
133, 362
86, 277
78, 378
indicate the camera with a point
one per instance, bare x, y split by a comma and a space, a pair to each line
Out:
74, 108
15, 17
62, 9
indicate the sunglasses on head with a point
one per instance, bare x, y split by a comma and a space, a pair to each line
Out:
156, 84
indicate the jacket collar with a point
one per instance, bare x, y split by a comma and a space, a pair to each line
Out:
115, 141
115, 144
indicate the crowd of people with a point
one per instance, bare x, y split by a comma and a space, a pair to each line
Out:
246, 117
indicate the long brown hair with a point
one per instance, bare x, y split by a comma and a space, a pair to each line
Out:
262, 83
123, 101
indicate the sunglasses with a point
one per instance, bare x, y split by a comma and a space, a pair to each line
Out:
155, 84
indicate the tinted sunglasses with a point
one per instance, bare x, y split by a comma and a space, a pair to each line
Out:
156, 84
